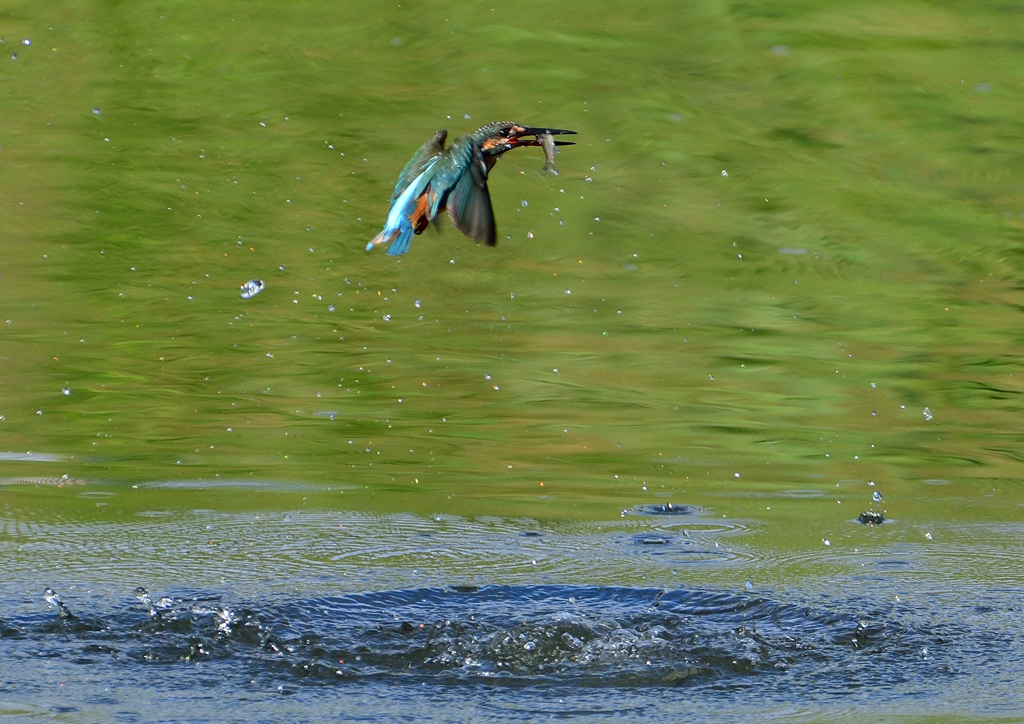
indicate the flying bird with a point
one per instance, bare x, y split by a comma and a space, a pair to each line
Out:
454, 178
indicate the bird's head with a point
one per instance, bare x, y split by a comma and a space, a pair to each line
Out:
496, 138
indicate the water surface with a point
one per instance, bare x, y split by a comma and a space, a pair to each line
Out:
780, 273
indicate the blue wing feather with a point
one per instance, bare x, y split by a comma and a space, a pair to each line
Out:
446, 173
454, 178
469, 202
417, 164
398, 228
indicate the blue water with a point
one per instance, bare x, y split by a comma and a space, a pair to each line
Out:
527, 651
402, 618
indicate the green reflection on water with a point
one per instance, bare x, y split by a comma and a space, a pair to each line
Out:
786, 230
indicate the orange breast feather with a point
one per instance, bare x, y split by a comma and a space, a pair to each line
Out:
419, 214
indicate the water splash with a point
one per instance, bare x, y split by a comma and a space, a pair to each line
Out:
51, 597
251, 288
542, 635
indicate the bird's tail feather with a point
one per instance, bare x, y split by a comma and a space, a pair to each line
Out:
379, 239
401, 245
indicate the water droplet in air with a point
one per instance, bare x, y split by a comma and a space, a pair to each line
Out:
525, 202
876, 496
251, 288
724, 172
927, 414
26, 41
330, 307
96, 111
66, 391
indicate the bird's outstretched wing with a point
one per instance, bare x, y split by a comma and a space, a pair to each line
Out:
469, 204
460, 183
418, 163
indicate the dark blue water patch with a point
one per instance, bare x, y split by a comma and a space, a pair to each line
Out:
523, 653
667, 509
501, 635
679, 548
653, 539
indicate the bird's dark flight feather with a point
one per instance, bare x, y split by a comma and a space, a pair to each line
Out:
469, 204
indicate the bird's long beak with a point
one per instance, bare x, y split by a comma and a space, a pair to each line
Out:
547, 132
537, 132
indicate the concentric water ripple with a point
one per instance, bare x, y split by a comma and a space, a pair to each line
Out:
210, 548
242, 607
591, 636
558, 641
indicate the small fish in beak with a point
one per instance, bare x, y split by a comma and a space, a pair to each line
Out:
547, 142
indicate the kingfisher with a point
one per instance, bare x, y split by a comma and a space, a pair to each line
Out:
454, 178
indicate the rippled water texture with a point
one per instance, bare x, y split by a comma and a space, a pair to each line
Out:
609, 653
311, 614
764, 327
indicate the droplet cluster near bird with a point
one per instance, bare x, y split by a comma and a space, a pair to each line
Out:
454, 178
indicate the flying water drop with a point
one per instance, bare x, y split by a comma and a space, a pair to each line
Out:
251, 288
143, 595
51, 597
